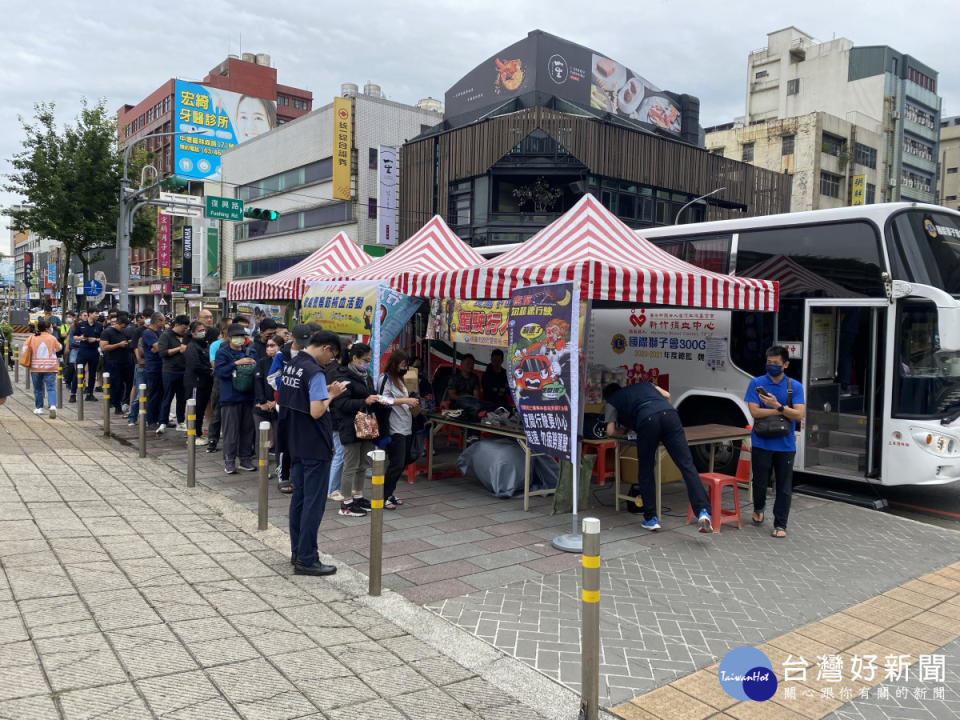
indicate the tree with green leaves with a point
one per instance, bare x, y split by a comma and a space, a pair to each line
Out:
70, 182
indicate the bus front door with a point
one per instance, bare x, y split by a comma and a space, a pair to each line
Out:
843, 363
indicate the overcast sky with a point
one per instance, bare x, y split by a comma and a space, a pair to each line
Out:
122, 51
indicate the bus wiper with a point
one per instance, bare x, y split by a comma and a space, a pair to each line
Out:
953, 415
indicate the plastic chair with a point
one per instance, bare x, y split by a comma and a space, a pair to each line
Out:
604, 467
714, 484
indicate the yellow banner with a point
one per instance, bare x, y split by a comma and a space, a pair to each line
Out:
342, 144
343, 307
480, 322
858, 192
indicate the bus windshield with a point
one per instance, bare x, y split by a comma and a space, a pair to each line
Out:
928, 244
927, 381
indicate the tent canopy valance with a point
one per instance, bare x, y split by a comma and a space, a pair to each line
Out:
339, 255
591, 247
432, 248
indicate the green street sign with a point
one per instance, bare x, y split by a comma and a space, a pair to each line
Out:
221, 208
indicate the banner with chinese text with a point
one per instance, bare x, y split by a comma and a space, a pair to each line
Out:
480, 322
343, 307
543, 365
387, 196
342, 145
164, 234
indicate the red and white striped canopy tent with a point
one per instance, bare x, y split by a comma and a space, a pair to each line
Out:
590, 246
433, 247
339, 255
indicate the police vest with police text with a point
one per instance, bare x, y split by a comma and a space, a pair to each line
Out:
306, 436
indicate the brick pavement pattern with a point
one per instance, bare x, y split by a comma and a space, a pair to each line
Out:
122, 595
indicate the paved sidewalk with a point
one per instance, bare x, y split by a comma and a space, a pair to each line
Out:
125, 595
673, 602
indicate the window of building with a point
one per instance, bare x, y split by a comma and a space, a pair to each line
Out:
762, 74
793, 86
950, 198
865, 155
166, 105
871, 194
830, 184
265, 266
951, 171
372, 208
747, 152
304, 175
299, 104
832, 145
372, 163
336, 213
786, 144
283, 100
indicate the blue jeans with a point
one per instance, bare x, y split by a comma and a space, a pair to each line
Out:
765, 462
336, 465
41, 380
139, 376
665, 427
307, 503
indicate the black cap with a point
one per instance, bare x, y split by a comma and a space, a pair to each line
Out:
302, 332
268, 324
235, 329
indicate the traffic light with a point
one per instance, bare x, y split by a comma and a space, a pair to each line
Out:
260, 213
174, 183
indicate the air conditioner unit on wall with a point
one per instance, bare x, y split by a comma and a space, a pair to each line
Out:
893, 182
895, 114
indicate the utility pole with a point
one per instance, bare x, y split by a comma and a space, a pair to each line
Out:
130, 201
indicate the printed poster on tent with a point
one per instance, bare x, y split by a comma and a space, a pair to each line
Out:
394, 309
543, 356
342, 307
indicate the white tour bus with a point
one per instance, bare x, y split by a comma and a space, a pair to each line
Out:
869, 311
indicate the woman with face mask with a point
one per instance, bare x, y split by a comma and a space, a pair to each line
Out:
358, 396
264, 398
198, 376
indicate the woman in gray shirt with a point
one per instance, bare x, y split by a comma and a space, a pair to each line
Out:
400, 429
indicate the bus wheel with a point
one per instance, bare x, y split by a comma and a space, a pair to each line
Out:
726, 456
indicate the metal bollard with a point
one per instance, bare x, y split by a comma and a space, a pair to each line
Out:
80, 391
106, 404
191, 443
263, 468
142, 420
590, 632
60, 385
16, 364
376, 523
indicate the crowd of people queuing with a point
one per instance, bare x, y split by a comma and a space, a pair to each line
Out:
307, 383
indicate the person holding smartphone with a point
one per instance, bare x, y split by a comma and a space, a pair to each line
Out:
768, 396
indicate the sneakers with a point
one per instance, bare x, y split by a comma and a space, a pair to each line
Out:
212, 446
247, 465
38, 411
181, 427
125, 407
336, 496
201, 441
651, 524
90, 398
73, 398
161, 429
132, 423
703, 522
352, 509
362, 502
230, 468
152, 427
53, 412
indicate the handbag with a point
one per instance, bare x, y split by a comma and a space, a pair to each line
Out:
243, 375
775, 426
26, 355
365, 426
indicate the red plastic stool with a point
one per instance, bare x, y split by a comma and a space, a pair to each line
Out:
715, 483
600, 467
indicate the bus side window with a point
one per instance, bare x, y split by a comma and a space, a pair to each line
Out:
751, 333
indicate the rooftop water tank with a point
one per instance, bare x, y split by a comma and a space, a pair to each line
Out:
372, 90
349, 90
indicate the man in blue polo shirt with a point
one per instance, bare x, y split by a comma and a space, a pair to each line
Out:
769, 395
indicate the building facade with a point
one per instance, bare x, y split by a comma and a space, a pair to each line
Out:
948, 182
828, 158
873, 88
529, 131
291, 171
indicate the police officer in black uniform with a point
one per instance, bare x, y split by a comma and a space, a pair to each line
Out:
304, 399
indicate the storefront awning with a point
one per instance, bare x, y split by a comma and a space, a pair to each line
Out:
591, 247
339, 255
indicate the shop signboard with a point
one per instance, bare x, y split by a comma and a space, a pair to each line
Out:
259, 311
225, 119
387, 195
550, 65
187, 253
342, 147
543, 365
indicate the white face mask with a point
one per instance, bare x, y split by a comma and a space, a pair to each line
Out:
293, 352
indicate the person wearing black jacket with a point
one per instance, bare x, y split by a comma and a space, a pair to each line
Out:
117, 349
171, 348
264, 404
358, 396
198, 374
87, 338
